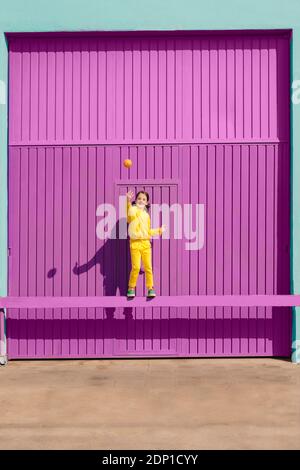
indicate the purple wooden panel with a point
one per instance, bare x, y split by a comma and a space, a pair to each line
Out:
229, 92
101, 88
243, 239
53, 210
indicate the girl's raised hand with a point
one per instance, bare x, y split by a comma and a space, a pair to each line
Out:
163, 228
130, 195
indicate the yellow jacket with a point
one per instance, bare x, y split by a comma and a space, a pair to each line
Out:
140, 225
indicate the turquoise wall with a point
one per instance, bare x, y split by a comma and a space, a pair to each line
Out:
75, 15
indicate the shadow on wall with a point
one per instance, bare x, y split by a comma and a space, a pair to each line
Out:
113, 259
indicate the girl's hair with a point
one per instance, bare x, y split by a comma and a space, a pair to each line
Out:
147, 196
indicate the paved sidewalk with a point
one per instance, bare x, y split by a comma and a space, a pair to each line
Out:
150, 404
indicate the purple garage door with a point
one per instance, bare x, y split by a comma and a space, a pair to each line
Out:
205, 120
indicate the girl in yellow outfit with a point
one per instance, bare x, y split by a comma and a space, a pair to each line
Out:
140, 233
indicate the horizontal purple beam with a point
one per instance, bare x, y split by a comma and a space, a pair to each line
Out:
163, 301
85, 143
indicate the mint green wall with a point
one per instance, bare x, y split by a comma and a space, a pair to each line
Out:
40, 15
71, 15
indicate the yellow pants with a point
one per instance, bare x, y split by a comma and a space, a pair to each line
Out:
141, 250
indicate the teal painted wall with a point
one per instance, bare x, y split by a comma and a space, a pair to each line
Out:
40, 15
92, 15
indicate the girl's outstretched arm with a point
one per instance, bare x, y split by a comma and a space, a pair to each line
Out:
130, 210
154, 231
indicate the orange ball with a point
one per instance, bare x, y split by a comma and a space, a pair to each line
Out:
127, 163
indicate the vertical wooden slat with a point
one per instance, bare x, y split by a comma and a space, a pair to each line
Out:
245, 229
51, 92
170, 90
59, 91
139, 155
49, 243
128, 91
151, 312
120, 95
26, 86
83, 229
178, 89
137, 90
255, 87
261, 234
219, 247
24, 242
193, 255
264, 88
283, 88
197, 88
34, 91
248, 92
165, 249
187, 90
66, 267
111, 89
185, 272
15, 98
41, 273
32, 246
273, 86
253, 243
228, 246
202, 255
91, 247
153, 88
57, 248
102, 98
269, 242
205, 80
85, 92
239, 85
173, 271
109, 261
214, 93
211, 246
231, 88
236, 245
74, 247
222, 90
43, 90
100, 198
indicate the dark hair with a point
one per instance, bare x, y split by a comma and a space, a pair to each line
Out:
147, 196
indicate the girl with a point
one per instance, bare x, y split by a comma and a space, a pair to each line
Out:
140, 247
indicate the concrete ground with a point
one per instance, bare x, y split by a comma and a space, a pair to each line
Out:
150, 404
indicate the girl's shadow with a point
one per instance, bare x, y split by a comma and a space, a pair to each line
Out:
114, 261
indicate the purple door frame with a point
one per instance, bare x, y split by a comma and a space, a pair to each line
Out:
184, 108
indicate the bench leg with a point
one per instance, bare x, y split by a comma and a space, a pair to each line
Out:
3, 354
